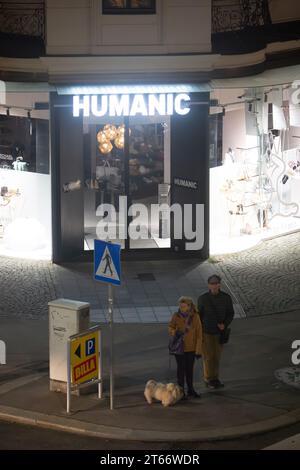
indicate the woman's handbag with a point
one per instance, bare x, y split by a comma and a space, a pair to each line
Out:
176, 342
106, 171
176, 345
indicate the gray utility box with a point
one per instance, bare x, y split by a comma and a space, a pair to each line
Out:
66, 318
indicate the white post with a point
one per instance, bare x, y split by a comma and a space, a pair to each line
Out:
69, 379
111, 321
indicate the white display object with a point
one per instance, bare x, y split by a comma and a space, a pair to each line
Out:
25, 217
269, 207
66, 318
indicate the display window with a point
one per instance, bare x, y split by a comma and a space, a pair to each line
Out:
144, 155
25, 198
143, 177
255, 187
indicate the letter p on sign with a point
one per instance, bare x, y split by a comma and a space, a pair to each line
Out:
90, 347
2, 353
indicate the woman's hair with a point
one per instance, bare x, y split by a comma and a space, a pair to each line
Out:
189, 301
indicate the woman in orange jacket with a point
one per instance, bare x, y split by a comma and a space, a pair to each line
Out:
186, 322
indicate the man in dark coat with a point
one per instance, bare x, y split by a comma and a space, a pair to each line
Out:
216, 313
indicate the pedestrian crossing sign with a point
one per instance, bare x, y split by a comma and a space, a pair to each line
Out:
107, 266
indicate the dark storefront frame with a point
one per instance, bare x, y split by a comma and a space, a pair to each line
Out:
189, 160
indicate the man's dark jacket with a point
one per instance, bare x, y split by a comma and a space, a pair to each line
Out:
214, 309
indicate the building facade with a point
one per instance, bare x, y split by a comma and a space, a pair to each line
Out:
131, 105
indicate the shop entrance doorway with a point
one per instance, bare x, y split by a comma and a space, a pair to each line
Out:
127, 167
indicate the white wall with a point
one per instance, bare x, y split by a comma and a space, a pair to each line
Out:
78, 27
34, 202
234, 130
26, 100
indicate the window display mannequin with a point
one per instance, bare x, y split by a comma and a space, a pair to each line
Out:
18, 150
19, 164
229, 157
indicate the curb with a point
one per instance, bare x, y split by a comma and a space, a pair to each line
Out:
15, 415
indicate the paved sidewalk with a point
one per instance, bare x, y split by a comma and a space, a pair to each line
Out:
148, 294
254, 401
292, 443
263, 280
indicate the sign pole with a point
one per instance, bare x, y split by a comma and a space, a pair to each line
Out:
111, 320
69, 377
107, 268
100, 368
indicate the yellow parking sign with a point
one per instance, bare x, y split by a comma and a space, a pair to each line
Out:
84, 358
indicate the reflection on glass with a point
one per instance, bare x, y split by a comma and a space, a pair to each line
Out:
104, 177
127, 5
147, 170
114, 4
141, 3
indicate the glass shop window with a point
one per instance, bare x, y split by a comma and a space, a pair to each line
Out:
128, 7
24, 144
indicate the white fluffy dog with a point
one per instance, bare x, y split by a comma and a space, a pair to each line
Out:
168, 394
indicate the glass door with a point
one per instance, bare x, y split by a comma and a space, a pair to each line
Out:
104, 173
149, 182
126, 177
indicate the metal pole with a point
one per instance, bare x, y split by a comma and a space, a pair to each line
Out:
111, 321
69, 376
99, 365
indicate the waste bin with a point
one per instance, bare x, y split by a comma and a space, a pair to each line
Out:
66, 318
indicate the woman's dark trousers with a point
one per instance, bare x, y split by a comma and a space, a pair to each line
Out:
185, 369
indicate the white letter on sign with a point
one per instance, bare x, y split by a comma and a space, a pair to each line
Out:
138, 106
178, 104
103, 108
296, 354
2, 353
157, 105
119, 105
77, 106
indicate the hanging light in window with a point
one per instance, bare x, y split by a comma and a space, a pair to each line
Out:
106, 147
120, 141
110, 131
30, 122
121, 130
101, 137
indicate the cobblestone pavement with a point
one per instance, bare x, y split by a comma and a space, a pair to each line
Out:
263, 280
266, 279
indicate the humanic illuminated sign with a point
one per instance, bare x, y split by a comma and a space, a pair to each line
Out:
131, 105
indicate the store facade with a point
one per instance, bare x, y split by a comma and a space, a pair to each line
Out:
130, 164
164, 170
254, 165
25, 182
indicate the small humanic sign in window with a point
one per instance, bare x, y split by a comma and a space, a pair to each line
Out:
128, 7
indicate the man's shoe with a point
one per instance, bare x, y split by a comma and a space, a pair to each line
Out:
219, 384
210, 384
184, 397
